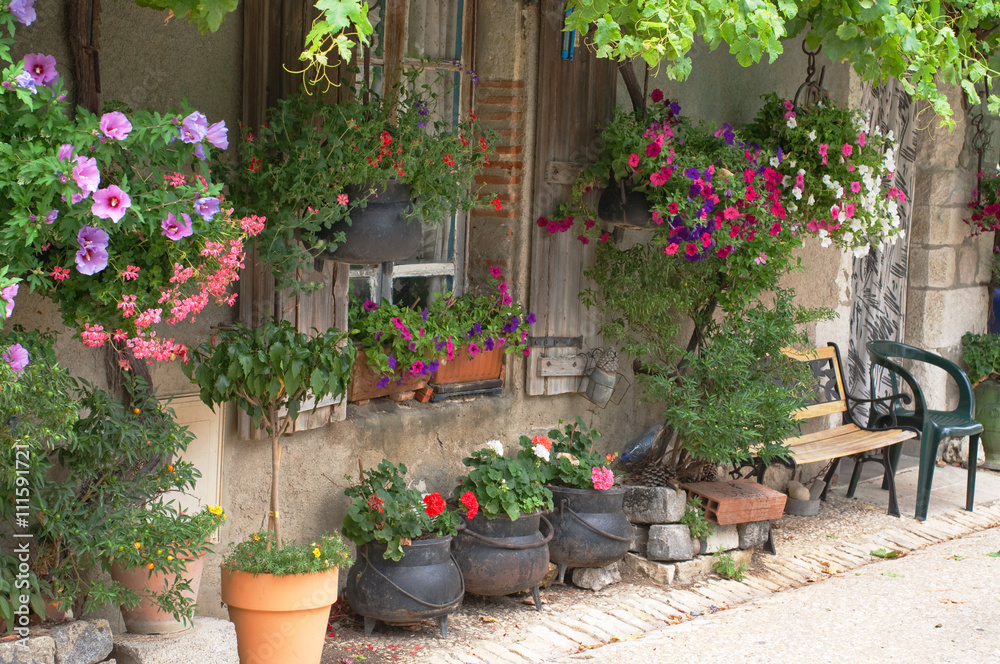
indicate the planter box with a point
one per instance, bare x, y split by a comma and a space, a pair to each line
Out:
364, 382
738, 501
486, 365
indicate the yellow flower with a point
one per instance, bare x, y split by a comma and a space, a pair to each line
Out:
215, 509
256, 538
316, 552
138, 545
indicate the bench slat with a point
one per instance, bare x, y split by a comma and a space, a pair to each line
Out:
843, 441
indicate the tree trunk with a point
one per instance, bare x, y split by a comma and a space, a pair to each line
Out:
84, 35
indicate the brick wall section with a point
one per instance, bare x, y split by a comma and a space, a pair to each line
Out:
499, 105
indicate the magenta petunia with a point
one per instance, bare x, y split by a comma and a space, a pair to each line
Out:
115, 125
86, 175
17, 357
633, 160
218, 135
194, 128
176, 229
41, 67
91, 260
110, 203
23, 11
7, 295
496, 272
207, 207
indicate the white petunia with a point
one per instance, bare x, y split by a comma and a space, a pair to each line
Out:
812, 135
792, 124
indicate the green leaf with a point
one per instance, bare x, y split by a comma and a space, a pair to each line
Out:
887, 554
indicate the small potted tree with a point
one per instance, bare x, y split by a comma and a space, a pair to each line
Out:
268, 373
405, 572
981, 354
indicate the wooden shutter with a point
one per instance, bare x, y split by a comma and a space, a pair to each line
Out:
575, 97
274, 33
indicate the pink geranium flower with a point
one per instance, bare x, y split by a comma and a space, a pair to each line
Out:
110, 203
115, 125
603, 478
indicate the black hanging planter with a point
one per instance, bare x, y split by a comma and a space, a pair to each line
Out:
622, 206
589, 528
499, 556
426, 583
379, 233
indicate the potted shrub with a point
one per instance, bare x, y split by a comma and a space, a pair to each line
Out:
981, 354
501, 549
589, 526
97, 472
405, 572
268, 373
314, 170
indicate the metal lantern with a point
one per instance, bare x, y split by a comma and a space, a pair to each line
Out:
601, 381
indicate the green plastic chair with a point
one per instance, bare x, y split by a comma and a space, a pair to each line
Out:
934, 425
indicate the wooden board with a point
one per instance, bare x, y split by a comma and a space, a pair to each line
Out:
738, 501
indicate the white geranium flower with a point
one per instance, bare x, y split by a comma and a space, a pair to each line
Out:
811, 135
540, 452
496, 446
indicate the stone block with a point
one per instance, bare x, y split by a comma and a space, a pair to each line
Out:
82, 641
661, 573
640, 539
753, 534
654, 504
937, 227
209, 640
938, 319
984, 260
948, 187
595, 578
725, 538
933, 268
968, 264
32, 650
692, 571
670, 542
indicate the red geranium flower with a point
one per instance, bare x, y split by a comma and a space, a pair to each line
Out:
434, 503
469, 500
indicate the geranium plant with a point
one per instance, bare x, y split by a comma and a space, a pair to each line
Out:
572, 459
295, 168
984, 207
400, 342
504, 485
269, 373
384, 509
981, 355
116, 217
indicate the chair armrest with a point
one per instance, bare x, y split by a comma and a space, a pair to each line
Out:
882, 349
919, 403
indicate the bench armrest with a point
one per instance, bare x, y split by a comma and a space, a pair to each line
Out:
876, 414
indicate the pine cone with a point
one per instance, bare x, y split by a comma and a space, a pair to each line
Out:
657, 474
710, 473
607, 361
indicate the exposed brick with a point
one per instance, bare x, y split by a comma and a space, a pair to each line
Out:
502, 213
508, 116
499, 179
509, 149
504, 165
499, 84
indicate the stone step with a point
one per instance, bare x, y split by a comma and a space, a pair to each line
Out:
208, 640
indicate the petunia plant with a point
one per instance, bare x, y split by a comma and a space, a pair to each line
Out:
984, 208
115, 216
386, 510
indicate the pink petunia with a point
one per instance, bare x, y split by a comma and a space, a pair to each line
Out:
633, 160
110, 203
847, 149
856, 186
495, 272
115, 125
823, 147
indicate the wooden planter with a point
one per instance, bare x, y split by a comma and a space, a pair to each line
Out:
486, 365
364, 382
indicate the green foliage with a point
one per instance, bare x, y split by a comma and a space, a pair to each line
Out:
206, 15
694, 519
724, 565
342, 24
258, 554
508, 485
922, 44
383, 509
295, 168
270, 367
572, 457
981, 355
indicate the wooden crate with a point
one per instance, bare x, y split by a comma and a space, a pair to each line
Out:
738, 501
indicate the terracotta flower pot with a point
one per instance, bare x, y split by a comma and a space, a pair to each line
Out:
486, 365
147, 618
279, 619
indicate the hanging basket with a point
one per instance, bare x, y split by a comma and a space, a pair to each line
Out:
378, 233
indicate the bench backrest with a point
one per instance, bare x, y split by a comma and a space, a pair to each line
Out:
827, 391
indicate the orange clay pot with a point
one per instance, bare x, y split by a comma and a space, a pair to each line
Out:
279, 619
147, 618
486, 365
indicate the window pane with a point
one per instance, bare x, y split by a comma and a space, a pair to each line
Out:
435, 30
417, 291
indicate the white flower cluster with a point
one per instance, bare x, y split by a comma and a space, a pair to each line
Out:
496, 446
540, 452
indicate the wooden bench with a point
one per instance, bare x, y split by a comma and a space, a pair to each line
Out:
864, 443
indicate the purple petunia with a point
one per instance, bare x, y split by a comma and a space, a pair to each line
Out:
218, 135
392, 362
7, 295
86, 175
490, 344
207, 207
175, 229
41, 67
369, 306
194, 128
423, 314
17, 357
531, 318
110, 203
382, 382
23, 11
115, 125
692, 173
412, 346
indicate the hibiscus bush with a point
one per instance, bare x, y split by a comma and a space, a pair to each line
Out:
114, 216
385, 509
